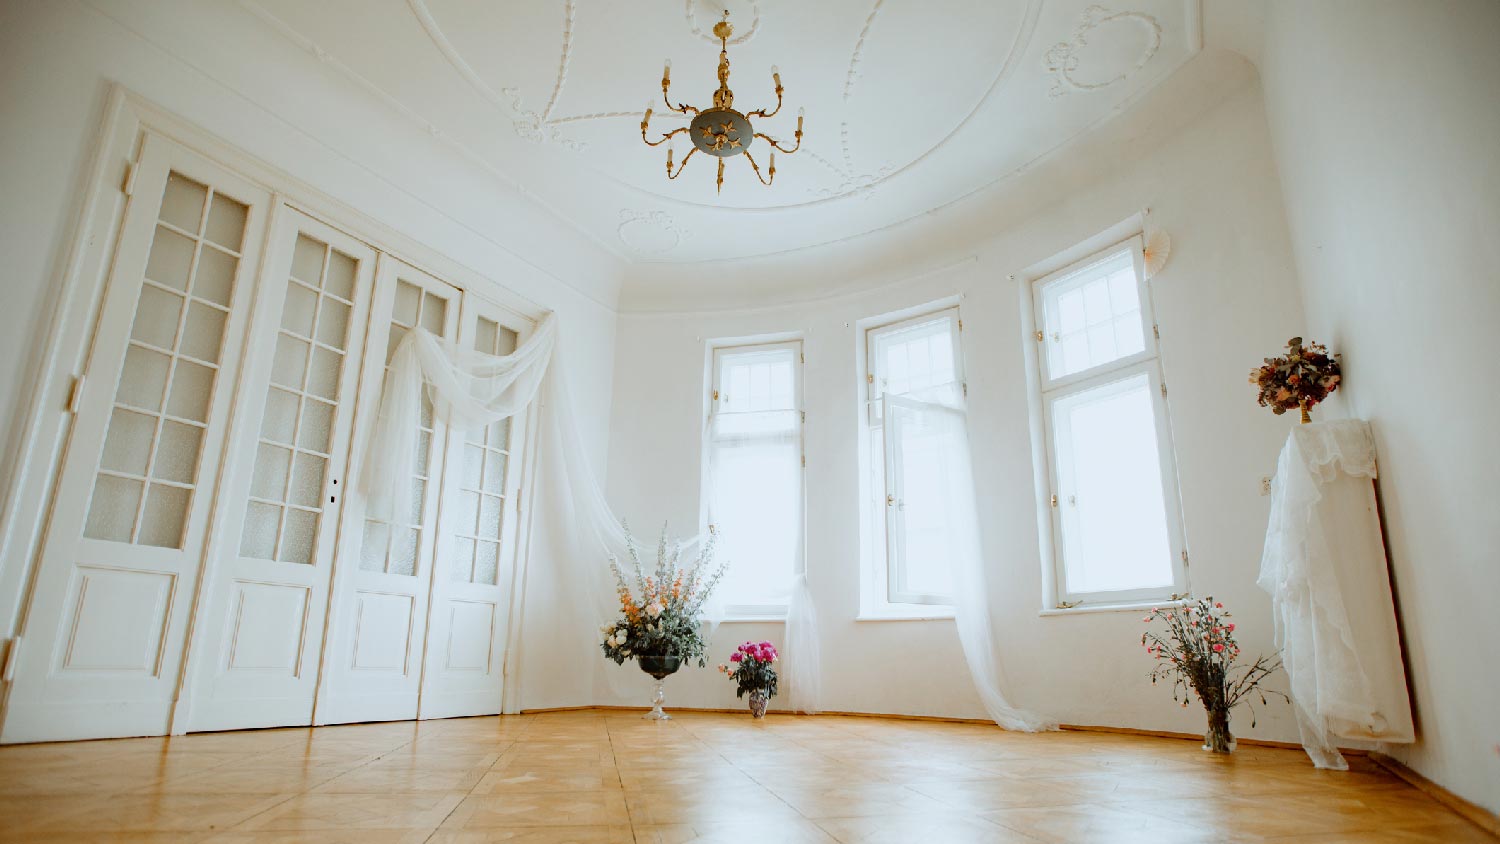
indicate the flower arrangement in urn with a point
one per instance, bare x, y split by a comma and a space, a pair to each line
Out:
1198, 653
1301, 378
660, 612
752, 668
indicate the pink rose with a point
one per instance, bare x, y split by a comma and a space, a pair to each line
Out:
1220, 606
1218, 648
1230, 628
736, 657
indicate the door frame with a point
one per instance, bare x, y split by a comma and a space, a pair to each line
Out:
38, 449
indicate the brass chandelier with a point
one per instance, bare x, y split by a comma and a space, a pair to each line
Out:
721, 131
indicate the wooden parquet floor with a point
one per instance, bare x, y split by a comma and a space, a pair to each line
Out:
604, 777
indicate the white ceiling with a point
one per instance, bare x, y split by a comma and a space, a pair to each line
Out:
910, 105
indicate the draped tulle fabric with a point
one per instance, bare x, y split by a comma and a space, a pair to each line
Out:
1325, 569
469, 390
939, 418
772, 441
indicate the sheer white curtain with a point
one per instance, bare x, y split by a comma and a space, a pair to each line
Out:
755, 502
936, 425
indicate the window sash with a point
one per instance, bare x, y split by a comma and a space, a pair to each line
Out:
885, 478
1050, 287
898, 581
1171, 499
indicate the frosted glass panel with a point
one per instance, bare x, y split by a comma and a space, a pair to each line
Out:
340, 280
408, 300
489, 516
143, 379
272, 466
433, 310
316, 432
171, 259
182, 202
404, 552
486, 562
494, 472
226, 223
127, 447
373, 545
323, 375
1112, 506
156, 317
113, 507
461, 565
299, 309
298, 537
166, 513
192, 387
333, 323
290, 363
261, 524
280, 416
214, 280
203, 336
307, 480
307, 259
177, 452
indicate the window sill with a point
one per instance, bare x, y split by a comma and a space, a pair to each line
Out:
925, 614
1130, 606
743, 618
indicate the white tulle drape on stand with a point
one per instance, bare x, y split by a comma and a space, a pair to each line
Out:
753, 458
1324, 566
469, 390
938, 420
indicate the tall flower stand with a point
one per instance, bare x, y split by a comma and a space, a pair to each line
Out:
660, 667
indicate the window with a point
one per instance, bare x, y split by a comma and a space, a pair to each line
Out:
1115, 514
917, 358
754, 446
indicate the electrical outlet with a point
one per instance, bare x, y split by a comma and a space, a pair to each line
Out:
1265, 486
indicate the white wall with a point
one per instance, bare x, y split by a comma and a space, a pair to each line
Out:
1227, 298
223, 69
1386, 122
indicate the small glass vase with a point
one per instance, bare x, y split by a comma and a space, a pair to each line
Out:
758, 703
1218, 739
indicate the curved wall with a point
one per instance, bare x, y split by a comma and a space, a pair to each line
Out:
1227, 298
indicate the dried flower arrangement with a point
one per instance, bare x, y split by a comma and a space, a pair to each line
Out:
1301, 378
660, 614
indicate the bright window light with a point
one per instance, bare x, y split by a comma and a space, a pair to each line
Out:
754, 449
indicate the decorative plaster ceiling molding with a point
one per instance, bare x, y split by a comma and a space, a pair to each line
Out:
649, 232
859, 50
693, 8
544, 127
1062, 60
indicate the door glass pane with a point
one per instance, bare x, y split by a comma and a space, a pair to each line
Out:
1112, 507
300, 415
226, 222
186, 321
479, 510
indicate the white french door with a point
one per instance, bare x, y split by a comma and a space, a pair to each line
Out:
372, 667
105, 629
476, 550
262, 633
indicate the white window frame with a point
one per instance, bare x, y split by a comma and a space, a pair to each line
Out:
717, 396
891, 530
1052, 390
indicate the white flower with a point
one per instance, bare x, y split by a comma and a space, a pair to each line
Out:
620, 634
613, 642
654, 609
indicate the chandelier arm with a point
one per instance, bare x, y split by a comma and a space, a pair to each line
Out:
663, 138
756, 168
691, 153
772, 141
680, 108
760, 112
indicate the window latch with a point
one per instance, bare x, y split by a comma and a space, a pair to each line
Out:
890, 500
1054, 499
